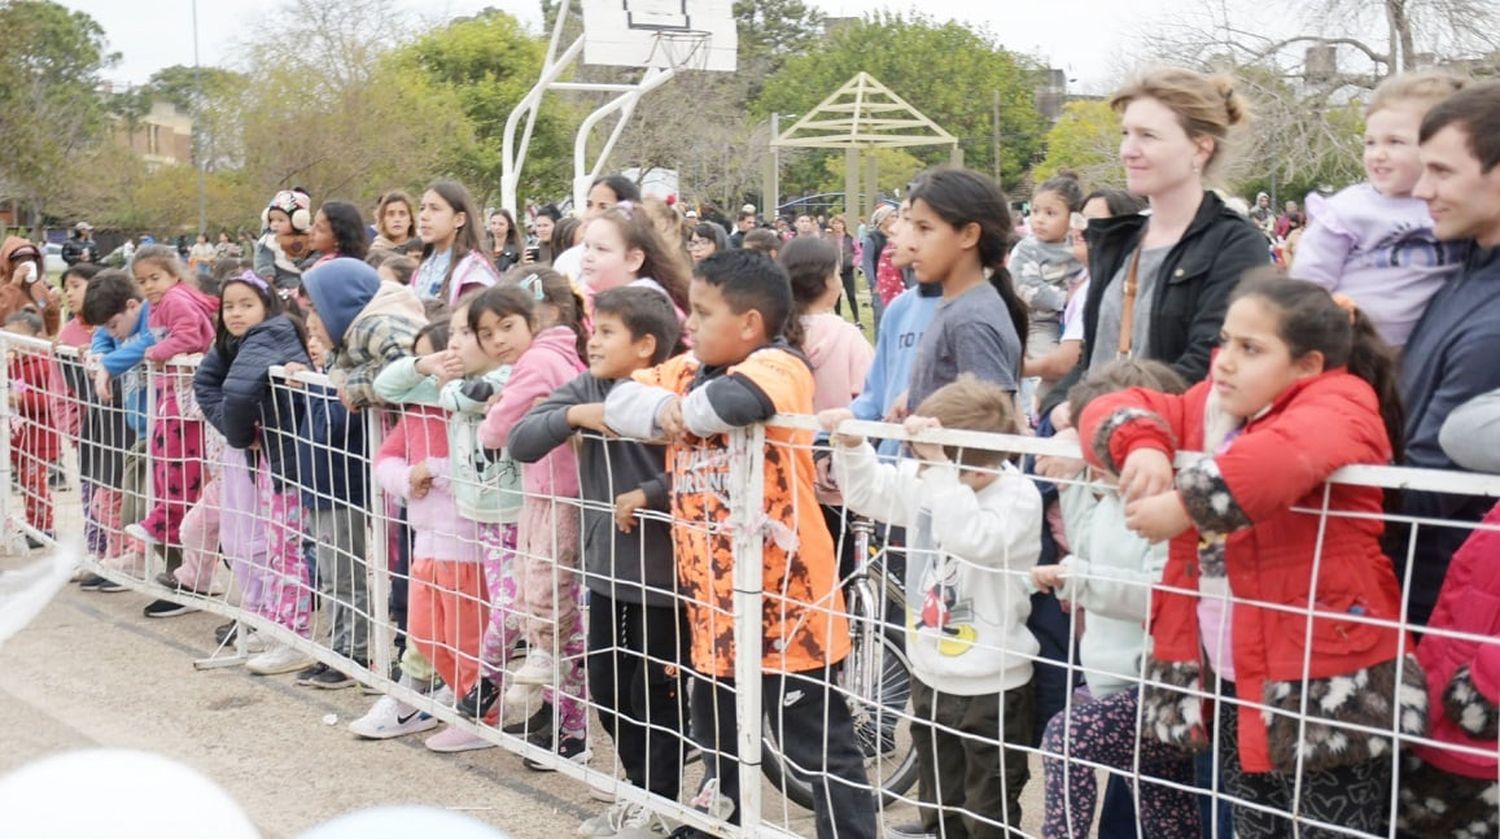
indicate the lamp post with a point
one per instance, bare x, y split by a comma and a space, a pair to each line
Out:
197, 129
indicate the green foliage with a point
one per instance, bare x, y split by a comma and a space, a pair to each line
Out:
342, 115
895, 168
1086, 141
770, 32
488, 63
948, 71
50, 60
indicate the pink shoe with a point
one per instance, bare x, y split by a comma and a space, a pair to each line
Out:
131, 564
455, 739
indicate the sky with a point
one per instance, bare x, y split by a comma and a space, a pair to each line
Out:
151, 34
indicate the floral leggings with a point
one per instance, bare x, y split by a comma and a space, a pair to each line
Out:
498, 543
1104, 731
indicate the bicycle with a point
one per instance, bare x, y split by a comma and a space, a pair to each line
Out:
875, 679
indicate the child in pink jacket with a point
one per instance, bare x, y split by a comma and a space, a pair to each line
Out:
447, 610
535, 327
181, 321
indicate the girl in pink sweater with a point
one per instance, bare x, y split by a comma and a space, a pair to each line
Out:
534, 326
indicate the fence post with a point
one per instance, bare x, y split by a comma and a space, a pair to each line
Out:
10, 528
747, 451
378, 564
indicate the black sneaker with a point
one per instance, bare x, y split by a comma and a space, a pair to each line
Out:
330, 679
537, 724
166, 609
224, 633
572, 749
477, 703
110, 587
91, 582
311, 672
37, 544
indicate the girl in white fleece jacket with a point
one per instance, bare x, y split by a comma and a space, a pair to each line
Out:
973, 533
1107, 575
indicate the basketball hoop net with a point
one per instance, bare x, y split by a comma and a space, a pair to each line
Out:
680, 49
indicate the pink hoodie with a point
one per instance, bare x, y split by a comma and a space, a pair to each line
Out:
183, 322
549, 363
421, 436
840, 358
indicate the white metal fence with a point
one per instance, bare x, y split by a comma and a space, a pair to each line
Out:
325, 567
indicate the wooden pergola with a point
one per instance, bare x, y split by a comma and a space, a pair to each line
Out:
865, 114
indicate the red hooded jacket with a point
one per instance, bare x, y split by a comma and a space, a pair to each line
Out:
1469, 602
33, 433
1280, 461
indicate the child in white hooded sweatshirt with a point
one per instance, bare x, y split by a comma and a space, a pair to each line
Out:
973, 526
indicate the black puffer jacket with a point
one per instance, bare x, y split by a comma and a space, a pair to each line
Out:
237, 398
1200, 272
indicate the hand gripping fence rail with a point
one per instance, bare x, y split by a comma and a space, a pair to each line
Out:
670, 625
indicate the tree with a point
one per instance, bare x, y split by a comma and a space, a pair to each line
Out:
50, 60
947, 71
770, 32
333, 108
1086, 141
489, 63
216, 125
895, 168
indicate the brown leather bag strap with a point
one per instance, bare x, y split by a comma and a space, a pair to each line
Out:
1127, 312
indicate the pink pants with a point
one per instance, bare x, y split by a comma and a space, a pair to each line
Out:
200, 541
176, 469
505, 629
261, 530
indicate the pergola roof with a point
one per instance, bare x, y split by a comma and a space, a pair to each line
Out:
864, 114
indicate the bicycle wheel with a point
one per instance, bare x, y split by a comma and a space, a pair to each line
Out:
882, 726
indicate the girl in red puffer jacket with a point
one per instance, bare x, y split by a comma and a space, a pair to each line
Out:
1300, 387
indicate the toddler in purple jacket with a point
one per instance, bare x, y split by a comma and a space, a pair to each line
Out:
1373, 241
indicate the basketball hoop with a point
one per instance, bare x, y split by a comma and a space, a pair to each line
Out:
680, 49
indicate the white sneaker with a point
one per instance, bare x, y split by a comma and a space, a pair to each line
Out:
521, 702
390, 717
626, 819
644, 823
607, 823
279, 658
536, 670
454, 739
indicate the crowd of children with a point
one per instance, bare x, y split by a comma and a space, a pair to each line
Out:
556, 461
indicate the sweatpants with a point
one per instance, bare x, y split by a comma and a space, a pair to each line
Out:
32, 471
960, 765
261, 532
504, 630
339, 533
176, 470
546, 571
637, 654
816, 734
447, 615
1356, 797
200, 540
1105, 731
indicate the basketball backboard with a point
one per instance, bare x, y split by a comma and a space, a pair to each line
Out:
661, 34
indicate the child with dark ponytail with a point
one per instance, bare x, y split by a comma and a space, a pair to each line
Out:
1300, 386
959, 230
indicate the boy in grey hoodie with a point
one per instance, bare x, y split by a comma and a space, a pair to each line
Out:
636, 625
